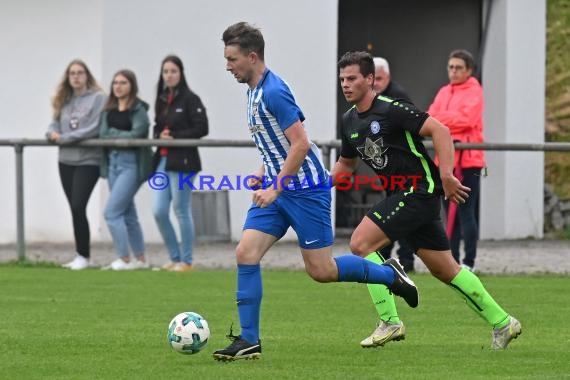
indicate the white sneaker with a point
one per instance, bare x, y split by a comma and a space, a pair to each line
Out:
119, 264
139, 264
384, 333
67, 265
502, 337
78, 263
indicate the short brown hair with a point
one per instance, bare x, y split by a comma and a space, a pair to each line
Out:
361, 58
248, 38
465, 56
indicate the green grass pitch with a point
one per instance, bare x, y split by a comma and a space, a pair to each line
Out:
59, 324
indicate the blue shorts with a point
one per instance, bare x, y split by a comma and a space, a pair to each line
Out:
308, 211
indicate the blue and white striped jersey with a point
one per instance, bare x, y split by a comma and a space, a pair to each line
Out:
271, 109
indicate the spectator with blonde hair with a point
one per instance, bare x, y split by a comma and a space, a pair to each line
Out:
77, 106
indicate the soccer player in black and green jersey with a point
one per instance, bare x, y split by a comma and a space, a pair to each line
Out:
386, 134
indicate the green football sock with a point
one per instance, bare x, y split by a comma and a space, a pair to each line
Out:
478, 299
381, 297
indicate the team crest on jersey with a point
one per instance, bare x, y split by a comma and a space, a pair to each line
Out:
253, 129
254, 108
375, 127
374, 152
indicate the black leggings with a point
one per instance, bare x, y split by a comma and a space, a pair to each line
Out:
78, 183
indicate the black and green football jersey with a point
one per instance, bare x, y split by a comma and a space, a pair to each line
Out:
386, 137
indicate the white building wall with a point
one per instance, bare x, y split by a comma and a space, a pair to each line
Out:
38, 39
514, 82
110, 35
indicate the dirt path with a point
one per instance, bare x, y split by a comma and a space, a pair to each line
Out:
513, 256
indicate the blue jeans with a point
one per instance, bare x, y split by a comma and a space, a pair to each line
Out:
466, 226
182, 203
120, 212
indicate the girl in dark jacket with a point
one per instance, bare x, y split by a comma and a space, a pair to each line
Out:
180, 114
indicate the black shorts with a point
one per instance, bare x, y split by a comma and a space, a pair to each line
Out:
411, 216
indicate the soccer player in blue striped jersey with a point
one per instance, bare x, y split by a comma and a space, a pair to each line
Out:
295, 193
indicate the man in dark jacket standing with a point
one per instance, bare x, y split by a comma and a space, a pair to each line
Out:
383, 83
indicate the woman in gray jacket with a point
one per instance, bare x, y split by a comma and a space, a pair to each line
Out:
77, 107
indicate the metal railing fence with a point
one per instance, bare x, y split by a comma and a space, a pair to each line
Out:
327, 147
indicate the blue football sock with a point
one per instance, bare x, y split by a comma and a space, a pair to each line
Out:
248, 297
352, 268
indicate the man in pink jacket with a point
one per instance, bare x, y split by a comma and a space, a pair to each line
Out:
459, 106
